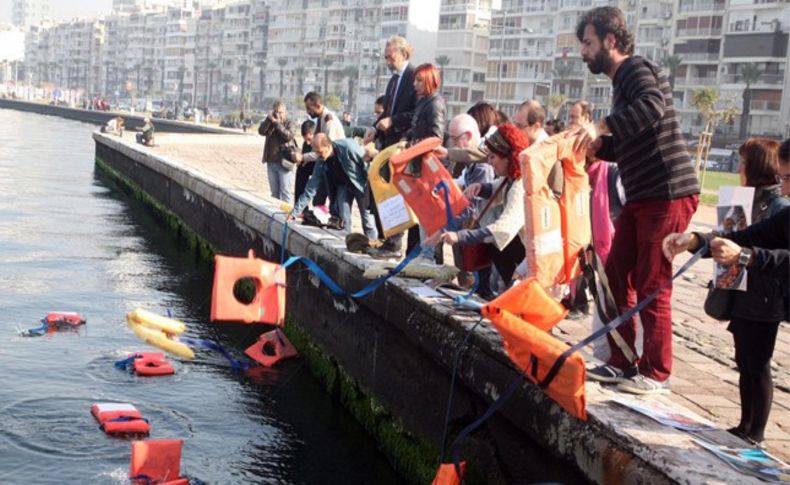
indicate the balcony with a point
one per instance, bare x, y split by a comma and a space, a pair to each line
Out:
698, 56
696, 81
701, 6
772, 79
759, 105
700, 32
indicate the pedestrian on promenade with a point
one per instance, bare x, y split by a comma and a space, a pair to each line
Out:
643, 136
146, 134
784, 167
763, 249
342, 161
114, 126
279, 133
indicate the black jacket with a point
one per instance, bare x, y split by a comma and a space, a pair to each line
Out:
278, 134
428, 119
769, 271
402, 111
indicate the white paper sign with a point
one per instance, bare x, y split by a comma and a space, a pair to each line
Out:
393, 212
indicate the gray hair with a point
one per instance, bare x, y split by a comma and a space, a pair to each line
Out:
401, 44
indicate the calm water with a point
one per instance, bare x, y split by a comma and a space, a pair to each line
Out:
70, 240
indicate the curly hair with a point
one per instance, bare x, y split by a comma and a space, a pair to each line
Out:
608, 20
516, 143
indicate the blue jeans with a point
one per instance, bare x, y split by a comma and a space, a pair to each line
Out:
344, 197
281, 182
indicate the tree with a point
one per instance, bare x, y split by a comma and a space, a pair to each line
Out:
212, 66
243, 77
226, 79
149, 80
562, 71
181, 72
555, 103
750, 74
334, 102
442, 61
282, 62
706, 101
261, 64
326, 62
671, 63
299, 71
352, 73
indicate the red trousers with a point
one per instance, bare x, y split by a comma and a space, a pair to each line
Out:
636, 267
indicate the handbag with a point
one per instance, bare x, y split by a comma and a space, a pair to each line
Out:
287, 158
718, 303
475, 257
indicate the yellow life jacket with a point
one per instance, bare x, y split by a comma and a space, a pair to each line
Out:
395, 215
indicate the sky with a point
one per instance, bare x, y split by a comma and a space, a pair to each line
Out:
64, 9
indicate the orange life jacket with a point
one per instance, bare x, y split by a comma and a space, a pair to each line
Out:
64, 318
446, 475
268, 305
394, 214
119, 418
271, 347
529, 301
555, 230
152, 364
420, 192
158, 461
534, 352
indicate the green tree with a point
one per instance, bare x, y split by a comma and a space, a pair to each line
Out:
706, 102
326, 62
442, 61
352, 74
282, 62
555, 103
226, 80
562, 71
212, 66
261, 65
671, 63
334, 102
299, 71
749, 75
243, 69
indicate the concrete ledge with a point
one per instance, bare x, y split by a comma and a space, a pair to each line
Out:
395, 350
102, 117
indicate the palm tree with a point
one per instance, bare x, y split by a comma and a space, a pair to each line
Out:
181, 72
562, 72
671, 63
299, 71
326, 62
226, 79
705, 101
211, 67
261, 64
352, 73
282, 62
442, 61
555, 103
243, 75
149, 80
750, 74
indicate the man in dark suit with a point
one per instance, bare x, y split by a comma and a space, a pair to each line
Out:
395, 121
400, 98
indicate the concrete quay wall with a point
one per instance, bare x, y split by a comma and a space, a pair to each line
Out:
388, 357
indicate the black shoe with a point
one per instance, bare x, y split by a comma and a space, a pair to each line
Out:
335, 223
310, 219
736, 431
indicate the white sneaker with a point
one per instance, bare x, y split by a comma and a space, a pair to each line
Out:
644, 386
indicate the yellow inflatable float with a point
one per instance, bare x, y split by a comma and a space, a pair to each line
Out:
159, 331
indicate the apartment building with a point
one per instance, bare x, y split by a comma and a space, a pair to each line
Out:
25, 13
12, 53
462, 42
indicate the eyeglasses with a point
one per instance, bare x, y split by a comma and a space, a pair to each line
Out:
456, 137
783, 178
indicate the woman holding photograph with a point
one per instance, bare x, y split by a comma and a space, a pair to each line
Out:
756, 312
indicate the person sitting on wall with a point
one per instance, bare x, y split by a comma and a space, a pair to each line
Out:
146, 134
114, 126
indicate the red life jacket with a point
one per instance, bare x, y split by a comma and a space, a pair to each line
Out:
64, 318
446, 475
271, 348
152, 364
157, 462
420, 191
119, 418
268, 304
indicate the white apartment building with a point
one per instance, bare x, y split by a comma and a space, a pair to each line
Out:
336, 46
12, 53
25, 13
464, 27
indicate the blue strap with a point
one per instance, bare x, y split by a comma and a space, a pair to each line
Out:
555, 368
284, 242
38, 331
337, 290
462, 300
124, 364
210, 345
448, 210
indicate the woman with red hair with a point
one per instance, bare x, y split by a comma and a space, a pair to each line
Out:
504, 218
428, 119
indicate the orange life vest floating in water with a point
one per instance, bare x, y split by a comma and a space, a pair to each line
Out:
268, 304
152, 364
157, 462
119, 418
556, 230
529, 301
271, 347
54, 319
446, 475
419, 191
534, 352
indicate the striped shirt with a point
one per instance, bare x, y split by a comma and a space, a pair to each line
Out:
646, 141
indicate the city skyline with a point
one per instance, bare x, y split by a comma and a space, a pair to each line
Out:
63, 10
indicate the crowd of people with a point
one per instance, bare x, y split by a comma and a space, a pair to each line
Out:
644, 192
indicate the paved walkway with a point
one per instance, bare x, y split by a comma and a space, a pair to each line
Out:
704, 377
